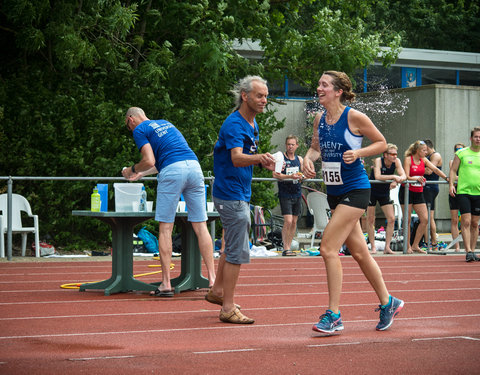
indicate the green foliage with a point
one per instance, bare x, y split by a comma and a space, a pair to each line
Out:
69, 70
430, 24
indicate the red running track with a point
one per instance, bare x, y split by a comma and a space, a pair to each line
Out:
48, 330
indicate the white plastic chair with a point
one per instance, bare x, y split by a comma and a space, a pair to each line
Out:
397, 208
318, 206
19, 204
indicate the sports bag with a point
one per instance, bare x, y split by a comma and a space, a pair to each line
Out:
149, 240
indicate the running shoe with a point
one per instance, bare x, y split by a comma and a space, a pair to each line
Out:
329, 324
389, 312
471, 257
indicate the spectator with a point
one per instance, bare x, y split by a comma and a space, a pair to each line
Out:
383, 170
235, 153
452, 202
414, 166
166, 152
466, 164
430, 192
290, 192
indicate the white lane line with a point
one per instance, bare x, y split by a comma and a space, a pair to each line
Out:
338, 344
106, 357
147, 298
473, 270
175, 312
248, 270
225, 327
227, 351
447, 338
302, 283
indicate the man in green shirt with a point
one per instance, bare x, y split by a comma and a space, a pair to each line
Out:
467, 165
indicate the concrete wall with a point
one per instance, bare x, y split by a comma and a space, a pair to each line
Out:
443, 113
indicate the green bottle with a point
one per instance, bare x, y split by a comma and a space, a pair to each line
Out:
95, 201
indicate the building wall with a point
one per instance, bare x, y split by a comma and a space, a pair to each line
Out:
443, 113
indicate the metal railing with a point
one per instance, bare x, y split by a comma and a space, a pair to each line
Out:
10, 180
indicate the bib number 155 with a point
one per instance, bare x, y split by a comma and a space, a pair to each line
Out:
331, 173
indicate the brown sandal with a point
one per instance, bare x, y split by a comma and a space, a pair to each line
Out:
235, 317
216, 300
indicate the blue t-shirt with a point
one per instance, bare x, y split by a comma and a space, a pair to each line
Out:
234, 183
334, 141
168, 144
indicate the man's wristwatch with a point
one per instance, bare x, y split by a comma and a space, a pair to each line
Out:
133, 168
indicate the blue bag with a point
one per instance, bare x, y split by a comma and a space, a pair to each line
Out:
149, 240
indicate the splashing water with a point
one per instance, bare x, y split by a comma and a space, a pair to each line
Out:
381, 106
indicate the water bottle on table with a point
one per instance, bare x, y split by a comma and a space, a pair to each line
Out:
143, 200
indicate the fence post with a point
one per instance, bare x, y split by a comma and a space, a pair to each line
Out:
406, 227
9, 218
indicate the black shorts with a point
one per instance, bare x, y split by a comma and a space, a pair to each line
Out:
468, 204
381, 199
357, 198
452, 202
430, 196
291, 206
413, 196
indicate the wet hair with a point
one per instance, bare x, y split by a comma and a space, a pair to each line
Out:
475, 129
413, 148
342, 82
244, 85
458, 145
291, 136
429, 143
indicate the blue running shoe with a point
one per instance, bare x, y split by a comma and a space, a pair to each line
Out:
329, 324
388, 312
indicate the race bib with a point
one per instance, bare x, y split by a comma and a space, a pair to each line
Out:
331, 173
292, 170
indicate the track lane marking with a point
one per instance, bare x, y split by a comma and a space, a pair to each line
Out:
200, 298
82, 316
227, 351
337, 344
447, 338
105, 357
214, 328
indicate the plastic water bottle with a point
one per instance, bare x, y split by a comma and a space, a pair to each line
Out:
95, 202
143, 200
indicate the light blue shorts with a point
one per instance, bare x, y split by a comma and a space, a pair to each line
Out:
235, 217
183, 177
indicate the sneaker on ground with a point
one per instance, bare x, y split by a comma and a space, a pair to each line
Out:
329, 324
471, 257
388, 312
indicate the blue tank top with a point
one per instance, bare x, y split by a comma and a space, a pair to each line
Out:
382, 189
334, 140
290, 189
432, 177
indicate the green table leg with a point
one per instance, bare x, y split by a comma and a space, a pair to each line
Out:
122, 279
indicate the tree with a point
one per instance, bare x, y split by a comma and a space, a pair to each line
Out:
69, 69
430, 24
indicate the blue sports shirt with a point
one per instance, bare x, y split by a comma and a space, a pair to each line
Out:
234, 183
168, 144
